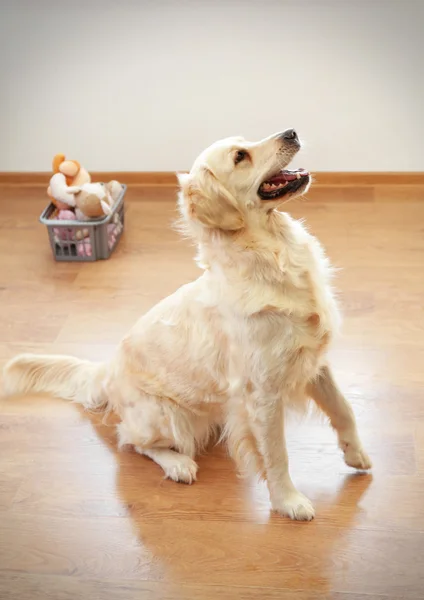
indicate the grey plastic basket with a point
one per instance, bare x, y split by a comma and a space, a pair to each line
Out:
95, 243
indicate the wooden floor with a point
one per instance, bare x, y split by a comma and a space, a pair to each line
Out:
80, 520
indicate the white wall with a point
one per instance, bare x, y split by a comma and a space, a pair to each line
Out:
145, 85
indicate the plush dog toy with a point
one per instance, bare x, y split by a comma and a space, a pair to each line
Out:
95, 200
66, 173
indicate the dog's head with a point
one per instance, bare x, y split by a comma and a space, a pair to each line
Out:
233, 178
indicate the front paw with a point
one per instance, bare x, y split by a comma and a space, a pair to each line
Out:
296, 506
356, 457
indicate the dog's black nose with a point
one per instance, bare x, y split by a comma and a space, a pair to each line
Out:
290, 135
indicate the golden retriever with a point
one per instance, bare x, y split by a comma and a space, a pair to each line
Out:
232, 350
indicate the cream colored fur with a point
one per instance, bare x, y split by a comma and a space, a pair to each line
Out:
230, 351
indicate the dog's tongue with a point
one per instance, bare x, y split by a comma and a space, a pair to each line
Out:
286, 175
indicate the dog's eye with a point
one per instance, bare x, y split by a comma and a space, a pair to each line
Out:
240, 155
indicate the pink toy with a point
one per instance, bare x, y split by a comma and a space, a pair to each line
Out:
65, 234
111, 234
84, 247
66, 215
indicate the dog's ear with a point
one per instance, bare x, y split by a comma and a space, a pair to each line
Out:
209, 202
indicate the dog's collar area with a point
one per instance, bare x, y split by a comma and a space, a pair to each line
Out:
283, 182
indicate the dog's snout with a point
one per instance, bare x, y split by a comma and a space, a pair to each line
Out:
290, 135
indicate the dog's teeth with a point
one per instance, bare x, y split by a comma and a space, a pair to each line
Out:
298, 175
273, 186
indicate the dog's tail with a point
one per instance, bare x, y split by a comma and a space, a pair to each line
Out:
61, 376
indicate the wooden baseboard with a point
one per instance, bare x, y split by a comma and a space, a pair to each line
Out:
363, 178
41, 178
168, 178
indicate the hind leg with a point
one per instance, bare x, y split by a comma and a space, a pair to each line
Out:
163, 432
178, 467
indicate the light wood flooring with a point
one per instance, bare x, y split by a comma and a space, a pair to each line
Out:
80, 520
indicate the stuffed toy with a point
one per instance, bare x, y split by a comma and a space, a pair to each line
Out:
113, 231
77, 199
63, 233
66, 173
95, 200
68, 234
115, 188
84, 247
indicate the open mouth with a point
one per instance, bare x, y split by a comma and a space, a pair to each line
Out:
284, 182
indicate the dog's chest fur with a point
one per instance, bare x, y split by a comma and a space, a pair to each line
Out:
281, 297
